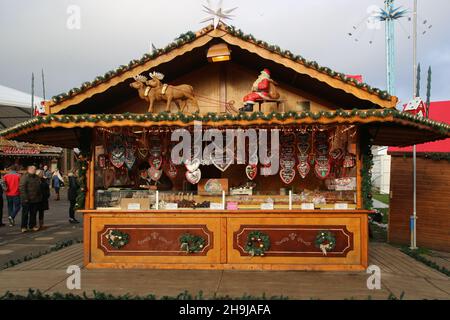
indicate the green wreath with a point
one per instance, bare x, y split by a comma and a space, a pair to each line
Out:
325, 241
191, 243
257, 243
117, 239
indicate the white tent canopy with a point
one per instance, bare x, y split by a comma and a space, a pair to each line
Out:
15, 98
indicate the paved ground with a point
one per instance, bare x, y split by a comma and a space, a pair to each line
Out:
379, 205
399, 273
16, 245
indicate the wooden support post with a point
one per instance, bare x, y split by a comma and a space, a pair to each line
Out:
91, 178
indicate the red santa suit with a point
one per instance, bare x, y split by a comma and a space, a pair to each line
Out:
260, 88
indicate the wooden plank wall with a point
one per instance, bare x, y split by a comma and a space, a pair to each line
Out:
215, 84
433, 202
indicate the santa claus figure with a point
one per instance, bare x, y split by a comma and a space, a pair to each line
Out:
39, 110
263, 88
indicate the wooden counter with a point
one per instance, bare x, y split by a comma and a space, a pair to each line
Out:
151, 239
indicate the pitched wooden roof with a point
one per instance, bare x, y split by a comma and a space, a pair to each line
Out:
325, 80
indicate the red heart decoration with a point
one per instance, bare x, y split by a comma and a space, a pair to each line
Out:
154, 173
303, 168
251, 171
171, 170
322, 167
156, 162
287, 175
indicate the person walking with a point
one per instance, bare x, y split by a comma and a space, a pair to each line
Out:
31, 196
47, 174
12, 180
43, 205
72, 196
57, 181
2, 187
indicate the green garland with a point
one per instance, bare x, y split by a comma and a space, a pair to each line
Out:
366, 170
417, 256
191, 243
58, 246
98, 295
117, 239
325, 238
442, 128
191, 36
186, 295
257, 243
82, 165
437, 156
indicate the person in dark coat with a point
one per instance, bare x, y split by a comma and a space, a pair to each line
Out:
31, 197
43, 206
72, 193
2, 187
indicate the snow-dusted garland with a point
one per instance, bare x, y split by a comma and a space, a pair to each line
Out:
443, 128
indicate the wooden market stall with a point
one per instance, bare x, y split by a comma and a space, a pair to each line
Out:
433, 190
22, 154
306, 210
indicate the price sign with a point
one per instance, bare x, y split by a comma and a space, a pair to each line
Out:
340, 206
307, 206
267, 206
134, 206
171, 206
216, 206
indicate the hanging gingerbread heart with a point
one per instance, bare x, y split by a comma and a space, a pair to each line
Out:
287, 163
322, 144
130, 158
170, 169
117, 161
108, 177
142, 153
156, 162
349, 160
251, 171
303, 166
192, 165
194, 176
322, 167
303, 169
117, 152
101, 161
287, 175
287, 138
336, 154
222, 166
303, 142
154, 173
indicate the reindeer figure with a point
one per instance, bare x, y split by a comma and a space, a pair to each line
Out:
179, 94
143, 90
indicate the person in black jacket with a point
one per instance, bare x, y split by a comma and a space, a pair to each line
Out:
2, 184
72, 196
31, 197
45, 189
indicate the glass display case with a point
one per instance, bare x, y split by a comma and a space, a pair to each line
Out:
125, 199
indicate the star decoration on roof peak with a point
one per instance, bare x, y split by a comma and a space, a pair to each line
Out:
217, 14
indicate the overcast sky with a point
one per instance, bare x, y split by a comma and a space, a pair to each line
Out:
34, 35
